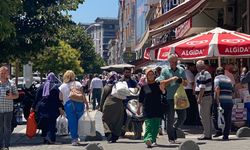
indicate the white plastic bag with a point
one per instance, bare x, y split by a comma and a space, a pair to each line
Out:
120, 90
221, 119
86, 125
62, 125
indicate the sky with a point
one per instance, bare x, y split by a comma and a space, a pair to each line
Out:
91, 9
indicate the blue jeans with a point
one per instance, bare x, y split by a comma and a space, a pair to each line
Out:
74, 110
5, 129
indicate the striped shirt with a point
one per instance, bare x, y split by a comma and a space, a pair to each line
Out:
203, 79
5, 104
226, 88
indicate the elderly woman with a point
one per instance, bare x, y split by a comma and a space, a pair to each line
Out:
48, 106
112, 109
150, 98
73, 109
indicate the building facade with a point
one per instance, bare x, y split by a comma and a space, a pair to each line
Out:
126, 37
152, 24
102, 31
114, 56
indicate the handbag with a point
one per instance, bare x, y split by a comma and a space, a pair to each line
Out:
86, 125
76, 94
31, 126
180, 98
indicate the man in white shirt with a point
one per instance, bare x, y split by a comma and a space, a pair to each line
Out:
192, 112
203, 89
96, 90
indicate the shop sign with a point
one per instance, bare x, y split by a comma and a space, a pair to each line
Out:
182, 29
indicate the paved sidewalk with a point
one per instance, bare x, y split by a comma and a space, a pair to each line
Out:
21, 142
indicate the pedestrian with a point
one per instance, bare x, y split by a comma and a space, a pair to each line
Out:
48, 107
203, 90
245, 79
8, 92
127, 77
170, 80
150, 99
90, 77
111, 106
193, 117
73, 109
96, 86
223, 88
84, 84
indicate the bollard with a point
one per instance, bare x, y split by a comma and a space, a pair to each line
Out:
93, 146
189, 145
243, 132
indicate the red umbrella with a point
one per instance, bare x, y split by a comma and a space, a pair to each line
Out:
215, 43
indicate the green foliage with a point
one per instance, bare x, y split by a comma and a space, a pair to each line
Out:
37, 29
36, 24
76, 36
8, 8
58, 59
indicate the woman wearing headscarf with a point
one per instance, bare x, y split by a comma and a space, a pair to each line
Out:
73, 109
48, 107
112, 109
150, 98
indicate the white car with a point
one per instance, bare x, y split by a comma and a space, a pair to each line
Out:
21, 81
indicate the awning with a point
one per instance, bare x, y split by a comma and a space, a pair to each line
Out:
151, 53
176, 16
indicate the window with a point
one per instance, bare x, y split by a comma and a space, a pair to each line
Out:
175, 2
109, 33
106, 40
109, 26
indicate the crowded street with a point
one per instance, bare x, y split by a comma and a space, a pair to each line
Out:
125, 74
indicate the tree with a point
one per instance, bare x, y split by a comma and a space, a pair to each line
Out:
36, 24
76, 36
58, 59
8, 9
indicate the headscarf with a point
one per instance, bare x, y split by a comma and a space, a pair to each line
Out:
113, 77
142, 81
147, 71
49, 83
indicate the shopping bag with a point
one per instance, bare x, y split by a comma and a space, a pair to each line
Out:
180, 98
120, 90
221, 120
31, 126
62, 125
86, 125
